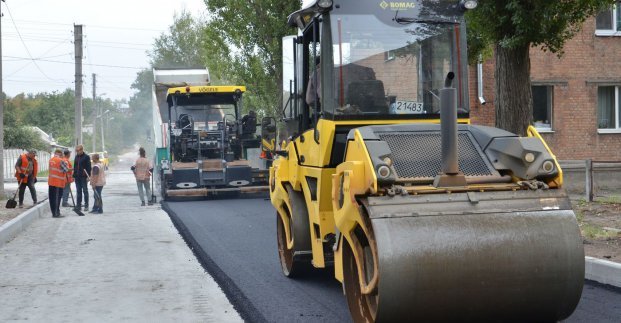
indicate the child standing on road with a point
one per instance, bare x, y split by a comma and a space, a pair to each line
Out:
98, 181
142, 171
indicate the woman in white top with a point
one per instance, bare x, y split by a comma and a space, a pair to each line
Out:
98, 181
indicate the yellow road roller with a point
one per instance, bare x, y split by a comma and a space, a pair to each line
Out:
379, 174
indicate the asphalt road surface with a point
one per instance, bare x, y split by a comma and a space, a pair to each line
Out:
235, 240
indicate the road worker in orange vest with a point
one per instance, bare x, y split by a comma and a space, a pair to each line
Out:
26, 169
67, 158
57, 180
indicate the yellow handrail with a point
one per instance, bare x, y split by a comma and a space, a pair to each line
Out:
532, 132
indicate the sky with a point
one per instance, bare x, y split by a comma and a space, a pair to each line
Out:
117, 36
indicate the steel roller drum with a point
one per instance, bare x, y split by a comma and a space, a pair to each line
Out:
476, 266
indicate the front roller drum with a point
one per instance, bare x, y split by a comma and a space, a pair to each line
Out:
525, 266
295, 260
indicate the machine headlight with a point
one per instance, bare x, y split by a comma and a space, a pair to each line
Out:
383, 172
529, 157
324, 4
548, 166
469, 4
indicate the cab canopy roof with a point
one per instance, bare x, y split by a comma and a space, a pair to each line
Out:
205, 95
387, 11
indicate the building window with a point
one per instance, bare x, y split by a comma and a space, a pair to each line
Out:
608, 108
609, 22
542, 106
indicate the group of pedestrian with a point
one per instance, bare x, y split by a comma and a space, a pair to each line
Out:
61, 174
85, 169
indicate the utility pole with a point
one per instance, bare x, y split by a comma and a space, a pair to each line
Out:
1, 114
77, 37
94, 112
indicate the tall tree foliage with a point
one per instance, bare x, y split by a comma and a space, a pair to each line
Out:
512, 27
182, 46
244, 46
53, 113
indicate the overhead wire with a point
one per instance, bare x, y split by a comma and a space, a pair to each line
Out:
45, 53
26, 47
35, 22
105, 81
18, 58
100, 65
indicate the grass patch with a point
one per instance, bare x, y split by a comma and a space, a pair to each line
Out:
579, 216
582, 202
594, 232
610, 200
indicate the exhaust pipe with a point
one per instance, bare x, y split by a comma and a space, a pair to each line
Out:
449, 175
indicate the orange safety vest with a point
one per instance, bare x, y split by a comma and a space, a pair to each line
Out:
24, 168
57, 177
70, 172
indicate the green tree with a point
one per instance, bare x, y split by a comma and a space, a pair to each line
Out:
52, 113
23, 137
512, 27
182, 46
244, 47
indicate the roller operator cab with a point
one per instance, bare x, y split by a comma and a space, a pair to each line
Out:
213, 148
380, 176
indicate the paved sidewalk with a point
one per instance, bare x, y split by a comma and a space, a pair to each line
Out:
128, 264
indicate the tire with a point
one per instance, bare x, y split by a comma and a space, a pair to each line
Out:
295, 262
163, 186
363, 308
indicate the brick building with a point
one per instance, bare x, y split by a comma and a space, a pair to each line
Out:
577, 98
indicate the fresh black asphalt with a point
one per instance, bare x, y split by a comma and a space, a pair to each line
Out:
235, 240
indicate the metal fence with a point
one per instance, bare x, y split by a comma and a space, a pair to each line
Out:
589, 177
10, 158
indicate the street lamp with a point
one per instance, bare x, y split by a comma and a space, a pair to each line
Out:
108, 123
101, 119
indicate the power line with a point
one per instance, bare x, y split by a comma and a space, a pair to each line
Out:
63, 62
36, 81
120, 43
34, 22
17, 58
113, 84
24, 43
120, 47
45, 53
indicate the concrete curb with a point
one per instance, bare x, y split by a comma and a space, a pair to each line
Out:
602, 271
11, 229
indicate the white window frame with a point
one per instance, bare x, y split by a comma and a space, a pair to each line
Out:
613, 31
550, 98
616, 107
